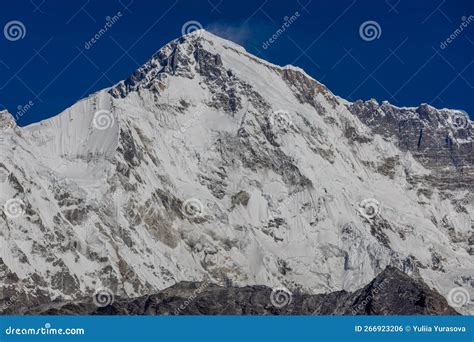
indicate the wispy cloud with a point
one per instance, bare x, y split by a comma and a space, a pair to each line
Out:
238, 33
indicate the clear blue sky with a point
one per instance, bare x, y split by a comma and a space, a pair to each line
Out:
48, 64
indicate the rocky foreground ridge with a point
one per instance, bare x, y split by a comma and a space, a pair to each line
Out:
392, 292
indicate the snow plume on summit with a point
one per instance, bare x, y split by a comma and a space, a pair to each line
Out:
208, 163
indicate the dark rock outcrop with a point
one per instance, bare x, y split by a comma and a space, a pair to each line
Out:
392, 292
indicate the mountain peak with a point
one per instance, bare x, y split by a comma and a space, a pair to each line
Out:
209, 162
210, 57
202, 33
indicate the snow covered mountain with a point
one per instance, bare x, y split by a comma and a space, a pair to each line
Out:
210, 163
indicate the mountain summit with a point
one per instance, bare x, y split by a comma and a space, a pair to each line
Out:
211, 163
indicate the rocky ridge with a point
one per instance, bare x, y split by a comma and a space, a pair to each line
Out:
391, 293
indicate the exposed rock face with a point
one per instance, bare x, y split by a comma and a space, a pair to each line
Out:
391, 293
441, 140
211, 163
6, 120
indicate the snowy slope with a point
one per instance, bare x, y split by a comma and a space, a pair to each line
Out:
209, 162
